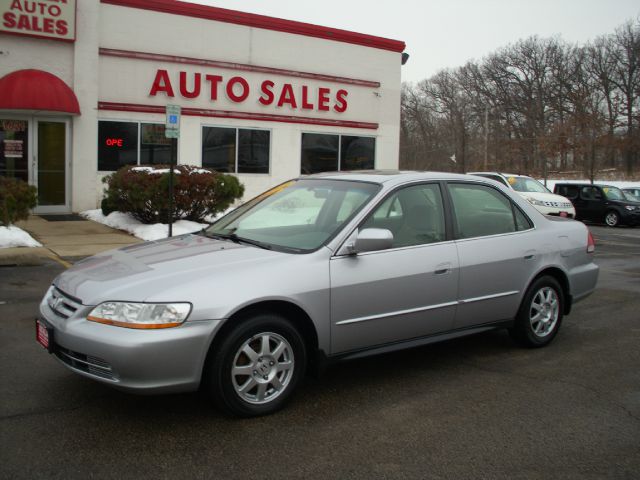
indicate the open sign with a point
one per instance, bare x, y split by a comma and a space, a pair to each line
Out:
114, 142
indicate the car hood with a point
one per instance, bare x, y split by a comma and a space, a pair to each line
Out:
148, 271
545, 197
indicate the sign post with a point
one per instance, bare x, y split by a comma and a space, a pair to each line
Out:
172, 131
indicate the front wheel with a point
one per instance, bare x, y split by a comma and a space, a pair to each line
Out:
256, 368
612, 219
540, 314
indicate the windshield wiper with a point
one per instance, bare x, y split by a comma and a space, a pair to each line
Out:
236, 239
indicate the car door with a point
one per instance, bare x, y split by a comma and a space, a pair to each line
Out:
401, 293
496, 258
592, 201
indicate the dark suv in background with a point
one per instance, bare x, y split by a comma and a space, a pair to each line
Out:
600, 203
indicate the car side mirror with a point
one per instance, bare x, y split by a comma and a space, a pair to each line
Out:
369, 240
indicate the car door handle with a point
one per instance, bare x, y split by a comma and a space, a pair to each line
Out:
530, 255
442, 269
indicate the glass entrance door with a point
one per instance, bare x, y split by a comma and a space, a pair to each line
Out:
49, 171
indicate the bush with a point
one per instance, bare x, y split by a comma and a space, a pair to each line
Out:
16, 199
144, 192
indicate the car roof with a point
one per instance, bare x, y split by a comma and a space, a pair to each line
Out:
499, 173
388, 176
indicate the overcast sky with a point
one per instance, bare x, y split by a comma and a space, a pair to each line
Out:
447, 33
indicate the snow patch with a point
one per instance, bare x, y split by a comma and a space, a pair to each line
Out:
124, 221
154, 171
15, 237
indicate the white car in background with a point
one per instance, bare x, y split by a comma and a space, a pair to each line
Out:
534, 192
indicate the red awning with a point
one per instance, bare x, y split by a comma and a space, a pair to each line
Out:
36, 90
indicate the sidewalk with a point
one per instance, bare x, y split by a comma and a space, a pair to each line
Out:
64, 241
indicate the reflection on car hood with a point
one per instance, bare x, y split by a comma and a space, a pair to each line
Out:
136, 272
545, 197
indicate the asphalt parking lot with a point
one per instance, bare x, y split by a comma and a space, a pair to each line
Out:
478, 407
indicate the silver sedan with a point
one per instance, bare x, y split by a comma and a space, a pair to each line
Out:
318, 269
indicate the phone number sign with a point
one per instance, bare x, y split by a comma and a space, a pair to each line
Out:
53, 19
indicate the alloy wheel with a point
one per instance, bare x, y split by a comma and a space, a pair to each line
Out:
262, 368
544, 311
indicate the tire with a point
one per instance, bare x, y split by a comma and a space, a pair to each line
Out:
612, 218
257, 366
540, 313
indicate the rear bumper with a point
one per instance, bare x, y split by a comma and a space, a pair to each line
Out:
583, 280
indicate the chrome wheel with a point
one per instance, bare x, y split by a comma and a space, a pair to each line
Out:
611, 219
544, 311
262, 368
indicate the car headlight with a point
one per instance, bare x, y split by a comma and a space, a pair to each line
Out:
630, 208
533, 201
140, 315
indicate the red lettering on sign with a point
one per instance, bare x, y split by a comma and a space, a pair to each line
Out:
238, 89
306, 104
183, 86
323, 99
341, 101
267, 91
245, 89
114, 142
9, 20
61, 27
214, 80
162, 83
287, 96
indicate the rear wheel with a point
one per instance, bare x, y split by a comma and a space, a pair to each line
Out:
540, 314
256, 368
612, 219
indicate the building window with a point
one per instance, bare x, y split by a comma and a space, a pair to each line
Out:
155, 148
131, 143
325, 153
357, 153
236, 150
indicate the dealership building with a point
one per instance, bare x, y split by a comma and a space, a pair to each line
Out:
84, 86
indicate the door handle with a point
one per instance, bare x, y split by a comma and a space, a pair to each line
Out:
530, 255
442, 269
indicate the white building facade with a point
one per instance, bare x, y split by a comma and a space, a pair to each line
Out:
84, 85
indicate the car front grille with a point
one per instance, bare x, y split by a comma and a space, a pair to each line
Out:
558, 204
63, 305
86, 363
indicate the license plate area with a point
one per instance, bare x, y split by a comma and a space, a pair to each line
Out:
44, 336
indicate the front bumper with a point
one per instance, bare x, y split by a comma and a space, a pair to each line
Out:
568, 212
141, 361
630, 218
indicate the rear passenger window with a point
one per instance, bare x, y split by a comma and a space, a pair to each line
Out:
522, 222
480, 211
569, 191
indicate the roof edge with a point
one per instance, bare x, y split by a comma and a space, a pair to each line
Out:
261, 21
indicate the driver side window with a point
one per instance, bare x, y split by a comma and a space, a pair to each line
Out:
414, 215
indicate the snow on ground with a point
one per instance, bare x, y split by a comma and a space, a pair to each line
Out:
551, 183
124, 221
15, 237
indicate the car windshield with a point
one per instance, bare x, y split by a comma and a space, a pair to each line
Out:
527, 184
299, 216
613, 193
630, 196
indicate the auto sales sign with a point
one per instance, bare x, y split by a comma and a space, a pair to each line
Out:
53, 19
